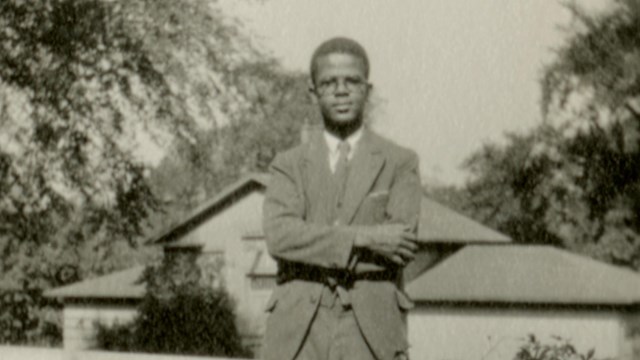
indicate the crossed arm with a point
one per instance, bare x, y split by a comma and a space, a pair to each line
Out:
291, 237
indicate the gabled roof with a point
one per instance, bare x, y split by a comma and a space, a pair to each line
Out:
212, 206
439, 223
124, 284
525, 274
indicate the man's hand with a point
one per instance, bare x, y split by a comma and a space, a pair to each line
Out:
394, 241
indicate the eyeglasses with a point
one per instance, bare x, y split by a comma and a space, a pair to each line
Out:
330, 86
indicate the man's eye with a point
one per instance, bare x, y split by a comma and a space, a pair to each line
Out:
353, 81
327, 83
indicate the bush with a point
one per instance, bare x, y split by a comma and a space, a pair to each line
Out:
27, 318
192, 322
178, 315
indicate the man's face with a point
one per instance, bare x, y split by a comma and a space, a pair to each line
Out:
341, 88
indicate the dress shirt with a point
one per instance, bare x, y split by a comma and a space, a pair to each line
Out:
333, 142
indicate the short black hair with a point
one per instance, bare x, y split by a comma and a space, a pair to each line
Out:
341, 45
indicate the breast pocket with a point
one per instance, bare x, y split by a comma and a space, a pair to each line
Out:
374, 207
276, 295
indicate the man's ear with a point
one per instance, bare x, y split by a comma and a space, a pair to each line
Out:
312, 91
369, 90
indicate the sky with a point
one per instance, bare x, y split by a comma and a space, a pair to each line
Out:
453, 75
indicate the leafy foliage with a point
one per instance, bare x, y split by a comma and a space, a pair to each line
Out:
279, 108
93, 94
507, 189
180, 314
559, 349
19, 321
591, 97
82, 82
574, 180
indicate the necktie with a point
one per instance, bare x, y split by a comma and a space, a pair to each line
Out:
341, 173
342, 169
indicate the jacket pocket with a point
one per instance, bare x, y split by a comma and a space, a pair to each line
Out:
273, 299
404, 303
374, 207
379, 194
271, 303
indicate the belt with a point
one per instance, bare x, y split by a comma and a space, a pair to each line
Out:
330, 277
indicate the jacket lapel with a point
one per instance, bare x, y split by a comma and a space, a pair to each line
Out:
364, 168
316, 169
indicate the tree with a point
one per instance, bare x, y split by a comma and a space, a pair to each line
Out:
87, 87
279, 106
591, 95
507, 190
574, 180
82, 82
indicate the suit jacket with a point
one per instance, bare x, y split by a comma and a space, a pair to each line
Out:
383, 187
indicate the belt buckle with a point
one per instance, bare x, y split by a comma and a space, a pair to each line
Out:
342, 279
346, 280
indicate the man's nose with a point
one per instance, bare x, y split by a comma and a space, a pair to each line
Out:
341, 88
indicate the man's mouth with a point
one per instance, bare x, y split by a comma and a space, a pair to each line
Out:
341, 108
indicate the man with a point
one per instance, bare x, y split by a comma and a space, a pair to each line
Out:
340, 218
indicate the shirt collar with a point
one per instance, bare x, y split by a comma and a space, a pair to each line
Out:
333, 141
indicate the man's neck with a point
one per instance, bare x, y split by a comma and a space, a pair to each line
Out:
343, 131
333, 141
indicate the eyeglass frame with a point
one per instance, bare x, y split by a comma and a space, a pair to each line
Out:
350, 83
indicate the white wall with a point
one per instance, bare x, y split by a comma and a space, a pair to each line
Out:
79, 322
223, 234
449, 333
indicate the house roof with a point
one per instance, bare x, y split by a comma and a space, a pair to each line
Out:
438, 223
525, 274
225, 198
124, 284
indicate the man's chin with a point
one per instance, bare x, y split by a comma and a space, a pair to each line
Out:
342, 125
343, 122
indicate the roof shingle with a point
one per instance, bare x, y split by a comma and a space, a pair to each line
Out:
439, 223
525, 274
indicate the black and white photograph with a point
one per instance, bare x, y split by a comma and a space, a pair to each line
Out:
320, 179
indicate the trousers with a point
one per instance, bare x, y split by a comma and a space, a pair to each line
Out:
334, 333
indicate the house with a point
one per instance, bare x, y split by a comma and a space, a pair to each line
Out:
484, 301
108, 299
228, 228
225, 228
469, 282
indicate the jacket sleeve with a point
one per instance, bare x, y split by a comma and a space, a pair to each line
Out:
403, 207
405, 194
288, 235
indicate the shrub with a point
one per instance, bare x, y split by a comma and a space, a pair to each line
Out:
27, 318
560, 349
178, 315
